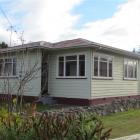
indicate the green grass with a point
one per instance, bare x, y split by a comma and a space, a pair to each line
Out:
41, 107
123, 124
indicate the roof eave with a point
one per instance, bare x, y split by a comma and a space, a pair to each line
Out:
104, 48
116, 50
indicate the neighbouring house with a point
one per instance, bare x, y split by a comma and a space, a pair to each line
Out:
74, 71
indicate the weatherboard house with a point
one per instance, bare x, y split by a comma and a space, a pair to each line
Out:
74, 71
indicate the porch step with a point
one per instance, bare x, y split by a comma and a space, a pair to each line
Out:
46, 100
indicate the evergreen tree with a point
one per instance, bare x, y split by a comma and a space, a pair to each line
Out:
3, 45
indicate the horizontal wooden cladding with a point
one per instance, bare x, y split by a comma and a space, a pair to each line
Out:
116, 86
25, 61
110, 95
67, 87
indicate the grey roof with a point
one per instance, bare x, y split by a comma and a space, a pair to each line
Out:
67, 44
39, 44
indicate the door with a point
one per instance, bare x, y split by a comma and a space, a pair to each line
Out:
44, 75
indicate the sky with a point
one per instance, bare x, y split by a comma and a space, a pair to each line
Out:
111, 22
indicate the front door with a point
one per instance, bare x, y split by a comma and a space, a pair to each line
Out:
44, 75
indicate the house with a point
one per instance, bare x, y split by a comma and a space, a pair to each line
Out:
74, 71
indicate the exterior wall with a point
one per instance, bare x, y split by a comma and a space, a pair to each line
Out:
116, 87
25, 61
68, 88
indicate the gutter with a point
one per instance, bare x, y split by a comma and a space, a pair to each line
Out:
47, 46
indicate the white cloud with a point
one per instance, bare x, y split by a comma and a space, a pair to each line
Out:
52, 20
49, 20
122, 30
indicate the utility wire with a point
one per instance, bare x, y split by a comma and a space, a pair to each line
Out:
11, 27
6, 17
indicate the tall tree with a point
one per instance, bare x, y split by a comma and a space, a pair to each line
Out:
3, 45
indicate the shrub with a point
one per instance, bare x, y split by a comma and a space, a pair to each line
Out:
71, 125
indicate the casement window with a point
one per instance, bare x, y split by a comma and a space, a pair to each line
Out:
8, 67
102, 66
130, 69
71, 66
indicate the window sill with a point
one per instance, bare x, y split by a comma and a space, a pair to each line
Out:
130, 79
71, 77
8, 77
103, 78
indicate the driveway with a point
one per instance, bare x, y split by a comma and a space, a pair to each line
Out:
132, 137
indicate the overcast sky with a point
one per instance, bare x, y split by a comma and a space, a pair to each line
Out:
111, 22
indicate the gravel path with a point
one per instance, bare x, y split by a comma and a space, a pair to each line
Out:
132, 137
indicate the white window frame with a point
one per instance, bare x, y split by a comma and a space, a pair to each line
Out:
64, 72
99, 55
3, 67
129, 78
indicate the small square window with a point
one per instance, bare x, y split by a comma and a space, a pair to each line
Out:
130, 69
102, 66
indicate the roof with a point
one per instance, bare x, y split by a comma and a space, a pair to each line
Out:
67, 44
39, 44
71, 43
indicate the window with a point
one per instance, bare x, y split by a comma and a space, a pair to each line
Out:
1, 66
61, 66
8, 67
71, 66
82, 65
102, 66
130, 69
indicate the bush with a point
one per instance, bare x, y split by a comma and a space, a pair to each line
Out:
72, 125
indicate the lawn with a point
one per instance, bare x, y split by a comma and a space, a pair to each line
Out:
123, 124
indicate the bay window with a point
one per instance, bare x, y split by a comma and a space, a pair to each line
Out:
71, 66
102, 66
8, 67
130, 69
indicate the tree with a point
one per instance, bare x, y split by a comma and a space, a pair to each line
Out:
3, 45
134, 50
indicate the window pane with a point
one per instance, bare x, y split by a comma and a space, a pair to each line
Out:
61, 68
95, 68
130, 69
81, 65
95, 58
1, 60
81, 57
81, 68
135, 69
61, 59
1, 67
71, 68
8, 60
103, 69
110, 69
125, 68
70, 58
14, 69
8, 69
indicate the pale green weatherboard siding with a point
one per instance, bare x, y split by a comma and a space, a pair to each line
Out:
69, 88
33, 88
117, 86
